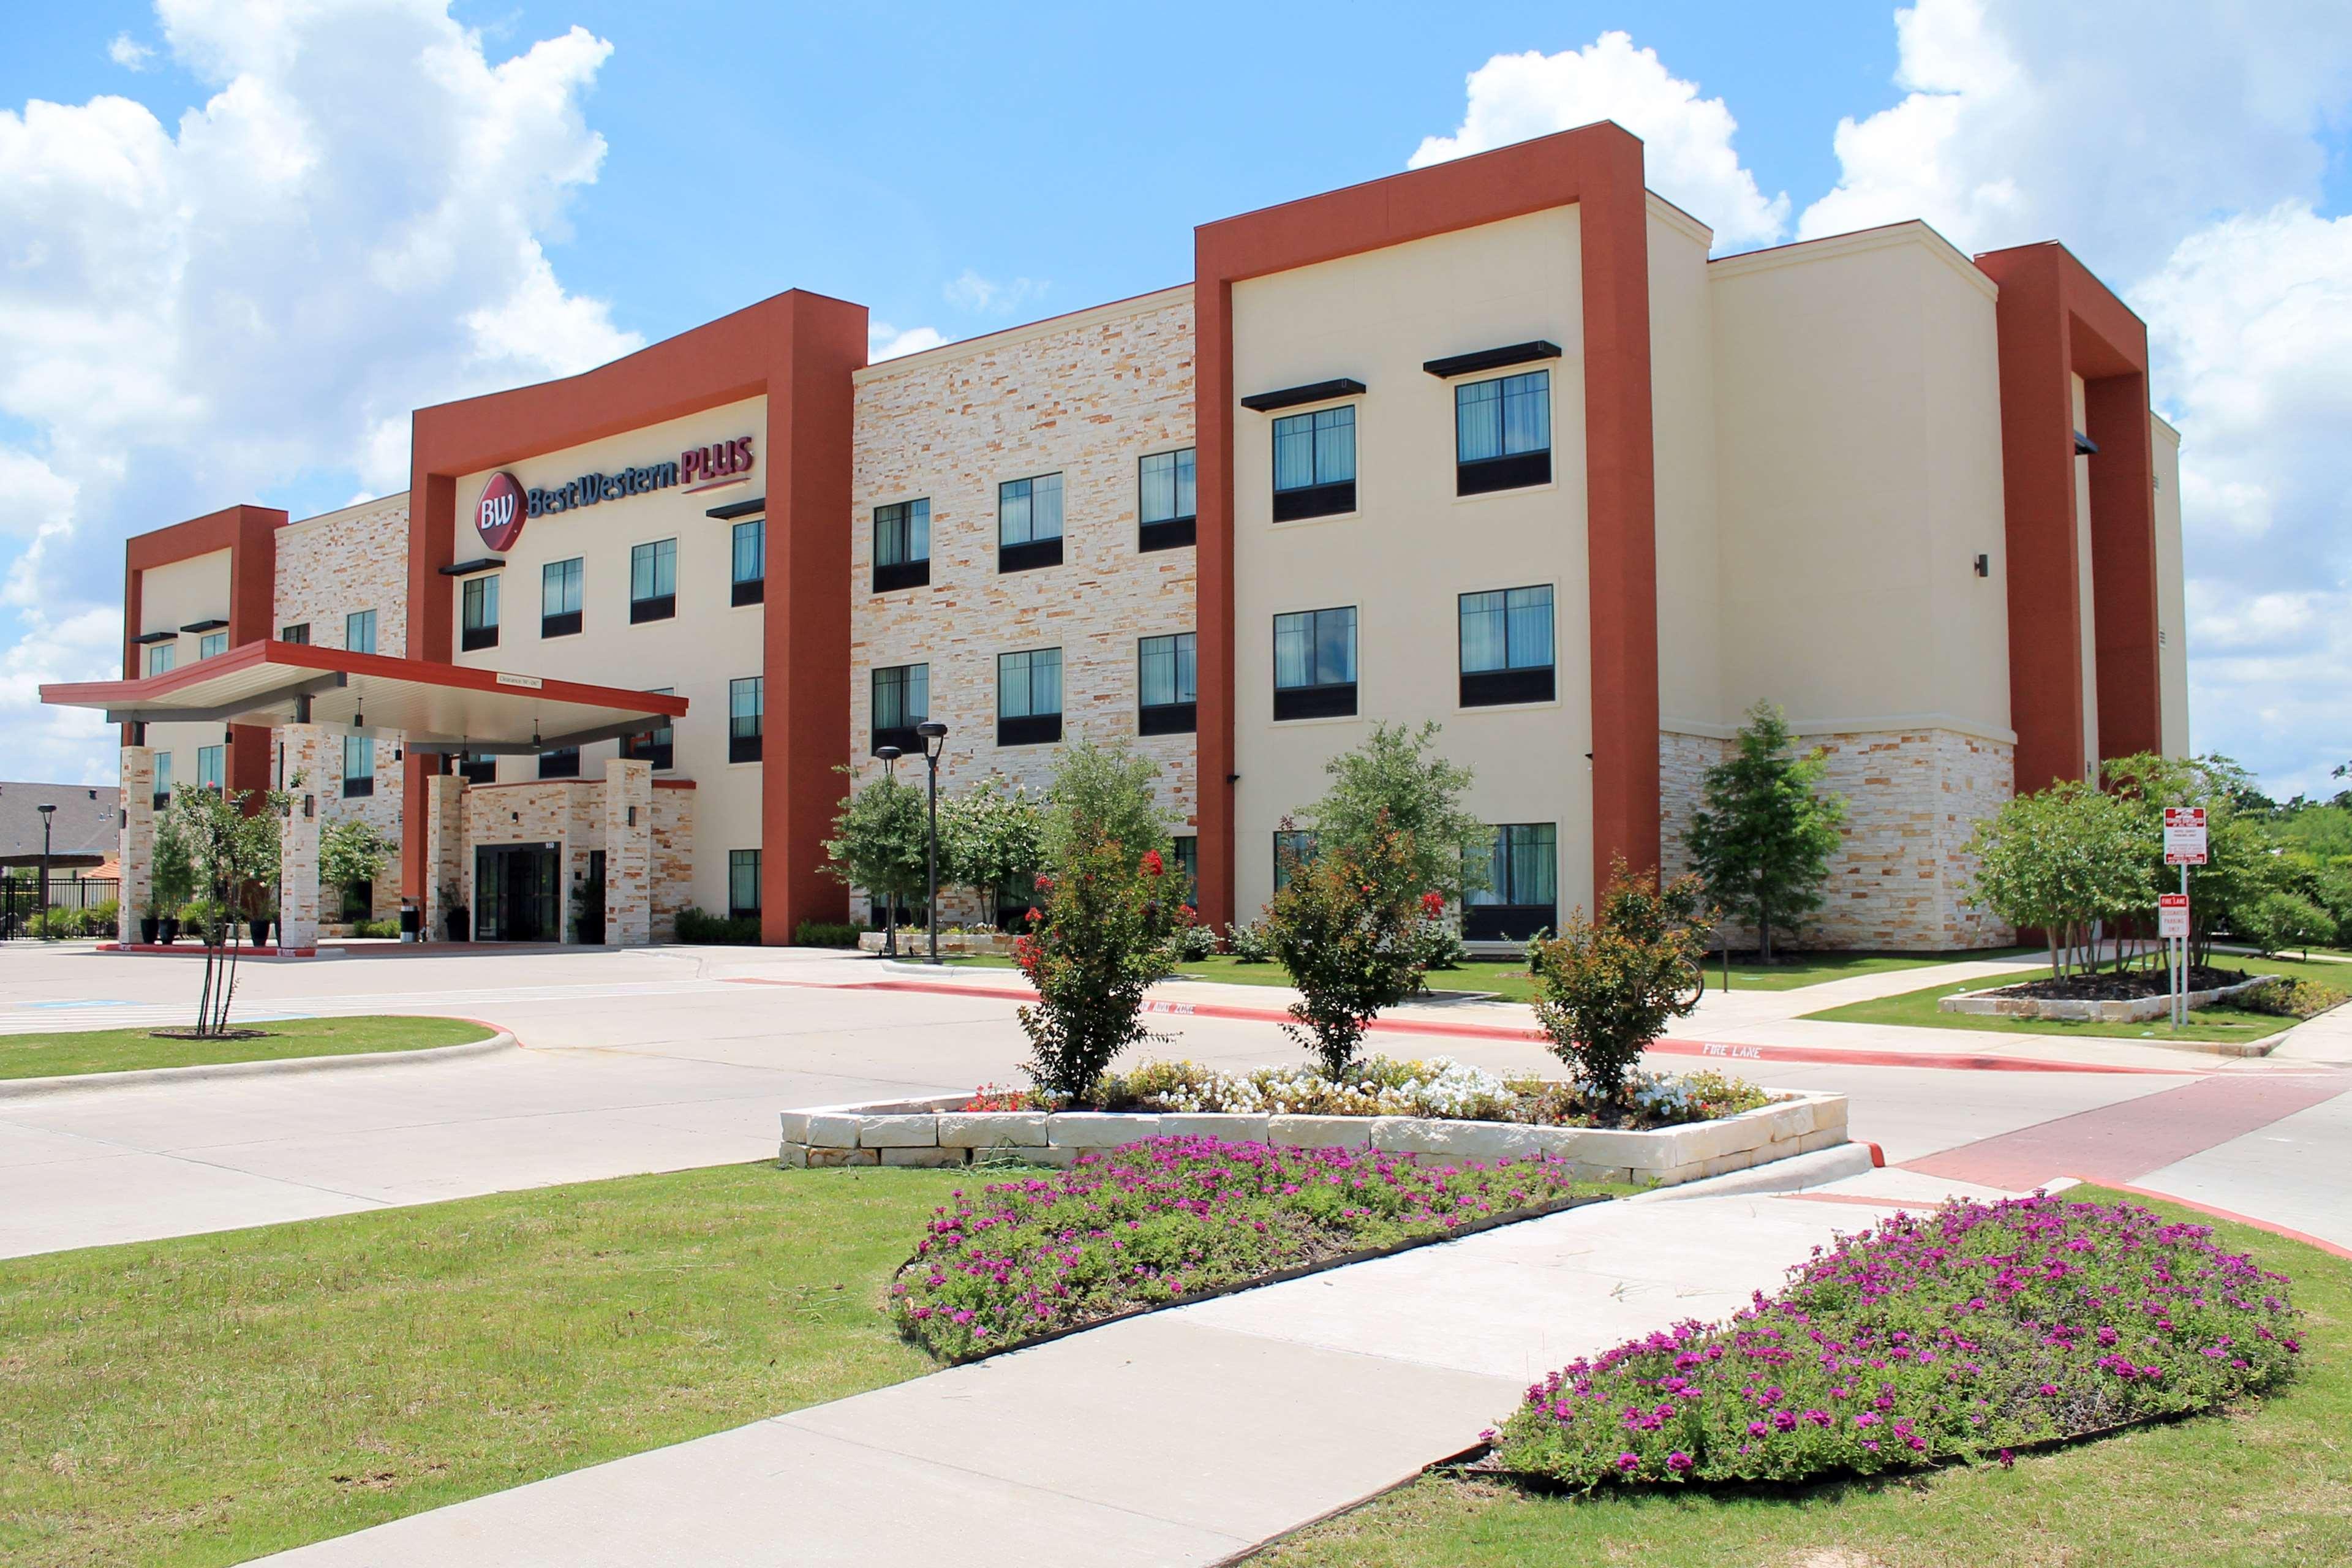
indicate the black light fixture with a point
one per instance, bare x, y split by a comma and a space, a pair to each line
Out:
889, 755
49, 927
935, 740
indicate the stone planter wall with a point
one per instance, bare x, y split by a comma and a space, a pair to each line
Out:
2136, 1010
914, 942
931, 1133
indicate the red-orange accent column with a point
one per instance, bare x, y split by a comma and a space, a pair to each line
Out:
2123, 572
431, 544
1212, 438
249, 533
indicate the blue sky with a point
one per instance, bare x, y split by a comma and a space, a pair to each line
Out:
958, 169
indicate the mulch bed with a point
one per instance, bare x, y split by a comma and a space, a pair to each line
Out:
2129, 986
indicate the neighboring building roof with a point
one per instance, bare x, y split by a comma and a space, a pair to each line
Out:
84, 829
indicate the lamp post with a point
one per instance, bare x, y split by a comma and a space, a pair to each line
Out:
49, 927
890, 755
935, 740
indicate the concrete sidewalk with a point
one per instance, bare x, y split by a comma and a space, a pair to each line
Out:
1184, 1437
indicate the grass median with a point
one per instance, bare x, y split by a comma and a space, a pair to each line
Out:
127, 1050
208, 1399
1918, 1009
2259, 1485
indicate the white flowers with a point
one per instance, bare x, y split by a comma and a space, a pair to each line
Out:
1438, 1087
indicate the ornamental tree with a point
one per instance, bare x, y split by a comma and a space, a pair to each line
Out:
1764, 837
1398, 784
1097, 938
990, 837
351, 849
229, 850
1605, 987
1106, 790
1343, 925
2236, 887
880, 841
2063, 859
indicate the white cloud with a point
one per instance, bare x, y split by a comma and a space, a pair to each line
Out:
130, 53
353, 224
1686, 139
884, 341
970, 291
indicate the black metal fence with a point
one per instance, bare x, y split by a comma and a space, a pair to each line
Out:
87, 907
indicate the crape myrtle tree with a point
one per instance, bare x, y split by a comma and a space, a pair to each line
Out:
1108, 792
1606, 986
1399, 788
2064, 859
1763, 839
229, 850
880, 841
990, 837
1343, 925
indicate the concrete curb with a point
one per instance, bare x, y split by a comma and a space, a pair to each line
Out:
1794, 1173
34, 1087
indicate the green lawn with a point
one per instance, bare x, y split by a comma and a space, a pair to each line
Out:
1507, 978
122, 1050
2257, 1487
209, 1399
1918, 1009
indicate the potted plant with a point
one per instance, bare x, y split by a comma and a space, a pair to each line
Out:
150, 922
261, 912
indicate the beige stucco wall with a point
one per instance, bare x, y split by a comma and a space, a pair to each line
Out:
1858, 449
707, 644
1682, 403
1412, 546
179, 593
2171, 592
1088, 397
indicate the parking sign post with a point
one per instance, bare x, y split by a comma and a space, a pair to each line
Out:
2184, 846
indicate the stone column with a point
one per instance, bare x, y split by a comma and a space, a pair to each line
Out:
137, 855
628, 851
445, 849
311, 756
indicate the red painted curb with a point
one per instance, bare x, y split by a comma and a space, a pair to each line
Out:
1717, 1050
1878, 1155
2233, 1218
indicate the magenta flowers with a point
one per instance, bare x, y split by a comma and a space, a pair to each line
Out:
1963, 1334
1170, 1217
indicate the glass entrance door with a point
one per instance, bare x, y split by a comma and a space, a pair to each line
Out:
515, 892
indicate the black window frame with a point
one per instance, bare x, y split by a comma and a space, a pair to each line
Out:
1319, 699
746, 733
1031, 728
1513, 683
742, 590
1502, 916
1303, 840
901, 735
297, 634
1182, 715
1033, 553
653, 606
474, 632
574, 571
352, 620
738, 861
560, 762
356, 786
1181, 527
909, 571
1318, 498
478, 767
1504, 470
657, 747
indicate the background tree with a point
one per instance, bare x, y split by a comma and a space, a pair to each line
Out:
1398, 788
1105, 792
880, 841
172, 879
990, 836
2244, 869
1605, 987
2064, 859
1762, 842
1343, 925
352, 850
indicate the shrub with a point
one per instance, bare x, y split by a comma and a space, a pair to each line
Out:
2293, 998
1192, 941
376, 928
1249, 944
1172, 1218
2281, 919
1606, 987
1342, 926
1649, 1100
701, 928
102, 919
825, 933
1398, 781
1955, 1335
1762, 843
1436, 943
1100, 940
56, 923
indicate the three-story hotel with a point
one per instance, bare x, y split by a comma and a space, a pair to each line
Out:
1493, 443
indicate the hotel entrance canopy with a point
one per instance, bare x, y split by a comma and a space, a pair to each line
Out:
437, 707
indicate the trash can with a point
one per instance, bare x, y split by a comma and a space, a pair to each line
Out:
412, 921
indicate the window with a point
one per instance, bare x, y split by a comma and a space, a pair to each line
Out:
1293, 849
559, 598
1188, 866
1167, 682
1521, 897
1502, 433
561, 763
162, 780
750, 558
358, 631
162, 657
480, 614
1315, 664
902, 545
746, 704
478, 767
211, 645
653, 581
359, 766
1168, 501
902, 699
1506, 651
212, 771
1315, 464
1029, 698
1029, 523
659, 747
298, 634
742, 884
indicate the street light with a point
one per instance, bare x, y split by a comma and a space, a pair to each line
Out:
935, 741
890, 755
49, 927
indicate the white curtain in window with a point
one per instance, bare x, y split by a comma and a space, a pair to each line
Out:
1530, 636
1335, 646
1484, 643
1478, 421
1294, 452
1160, 487
1046, 507
1293, 650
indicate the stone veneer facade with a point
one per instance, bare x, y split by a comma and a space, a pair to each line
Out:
1086, 395
1914, 796
648, 865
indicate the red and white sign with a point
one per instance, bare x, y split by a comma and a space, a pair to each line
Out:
497, 516
2171, 915
2184, 835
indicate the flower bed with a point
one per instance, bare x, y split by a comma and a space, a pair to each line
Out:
2130, 998
1957, 1335
1172, 1219
1438, 1087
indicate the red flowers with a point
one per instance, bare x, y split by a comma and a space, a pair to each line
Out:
1151, 863
1044, 883
1432, 903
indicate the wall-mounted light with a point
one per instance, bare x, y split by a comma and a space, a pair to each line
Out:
633, 816
1984, 565
309, 806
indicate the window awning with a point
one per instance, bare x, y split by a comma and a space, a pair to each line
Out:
435, 706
